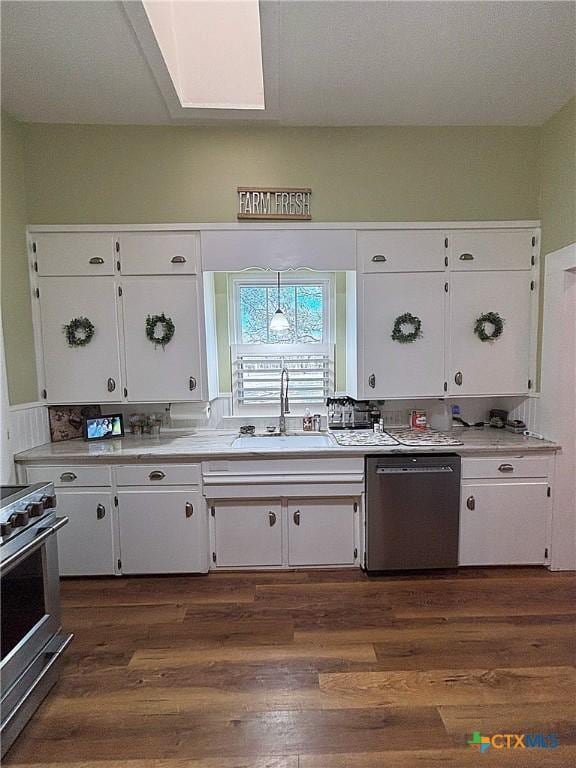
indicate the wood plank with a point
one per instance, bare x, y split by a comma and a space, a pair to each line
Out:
286, 761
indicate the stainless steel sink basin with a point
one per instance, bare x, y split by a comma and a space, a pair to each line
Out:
283, 441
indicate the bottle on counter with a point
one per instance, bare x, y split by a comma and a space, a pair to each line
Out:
317, 422
307, 424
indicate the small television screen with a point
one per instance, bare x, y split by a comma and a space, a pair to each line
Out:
104, 427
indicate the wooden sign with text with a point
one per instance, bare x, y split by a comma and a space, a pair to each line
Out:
279, 203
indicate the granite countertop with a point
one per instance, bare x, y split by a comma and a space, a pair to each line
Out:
214, 444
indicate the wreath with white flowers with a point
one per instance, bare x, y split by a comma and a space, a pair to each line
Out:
79, 332
403, 336
490, 318
167, 329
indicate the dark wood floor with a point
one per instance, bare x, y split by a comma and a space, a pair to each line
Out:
310, 670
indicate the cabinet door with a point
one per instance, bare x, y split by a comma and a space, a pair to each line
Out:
481, 250
248, 533
401, 251
163, 531
503, 523
86, 544
79, 253
390, 368
159, 253
85, 374
321, 532
494, 367
169, 373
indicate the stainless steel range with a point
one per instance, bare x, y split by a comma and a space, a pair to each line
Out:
31, 637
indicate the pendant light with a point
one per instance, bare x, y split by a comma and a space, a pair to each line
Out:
279, 322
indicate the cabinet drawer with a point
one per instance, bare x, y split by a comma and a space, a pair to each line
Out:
159, 474
506, 466
70, 476
159, 253
413, 251
69, 254
477, 250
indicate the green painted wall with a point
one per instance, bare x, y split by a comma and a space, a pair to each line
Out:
558, 179
133, 174
16, 312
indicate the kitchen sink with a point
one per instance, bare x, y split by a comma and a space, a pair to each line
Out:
283, 441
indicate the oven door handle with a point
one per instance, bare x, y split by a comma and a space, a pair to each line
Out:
37, 541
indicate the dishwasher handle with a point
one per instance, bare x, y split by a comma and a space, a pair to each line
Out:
414, 470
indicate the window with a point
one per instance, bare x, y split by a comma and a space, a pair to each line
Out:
305, 349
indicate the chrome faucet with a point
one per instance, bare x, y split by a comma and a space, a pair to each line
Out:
284, 404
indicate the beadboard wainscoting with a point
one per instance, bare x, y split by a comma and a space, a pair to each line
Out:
27, 426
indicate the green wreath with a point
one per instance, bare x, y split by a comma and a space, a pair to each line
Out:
168, 328
495, 320
407, 337
79, 332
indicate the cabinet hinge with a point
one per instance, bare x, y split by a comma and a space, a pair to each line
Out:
445, 386
533, 242
117, 246
118, 266
532, 284
37, 293
35, 266
213, 557
125, 392
445, 242
44, 394
213, 511
119, 564
549, 492
33, 247
115, 501
446, 287
546, 554
355, 552
533, 260
445, 261
529, 383
355, 506
119, 290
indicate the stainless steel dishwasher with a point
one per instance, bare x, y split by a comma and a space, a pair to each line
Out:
412, 511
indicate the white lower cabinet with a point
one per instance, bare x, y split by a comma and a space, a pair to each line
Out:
162, 531
503, 523
86, 544
247, 533
321, 531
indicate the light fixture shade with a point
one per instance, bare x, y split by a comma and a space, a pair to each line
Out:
279, 322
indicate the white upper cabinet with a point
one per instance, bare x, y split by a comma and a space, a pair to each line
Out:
389, 368
172, 372
88, 373
159, 253
501, 366
74, 253
474, 250
401, 251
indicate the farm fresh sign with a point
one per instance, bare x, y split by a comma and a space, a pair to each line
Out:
282, 203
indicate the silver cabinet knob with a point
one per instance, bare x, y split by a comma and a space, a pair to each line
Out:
100, 511
178, 260
68, 477
296, 517
471, 502
192, 383
272, 518
505, 468
378, 258
189, 509
111, 385
156, 474
372, 380
96, 260
458, 378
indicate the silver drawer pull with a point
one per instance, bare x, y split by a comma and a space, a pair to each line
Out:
68, 477
96, 260
156, 474
100, 511
296, 517
505, 468
272, 518
466, 257
471, 502
178, 260
111, 385
189, 509
379, 258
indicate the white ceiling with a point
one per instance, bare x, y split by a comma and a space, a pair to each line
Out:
326, 62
